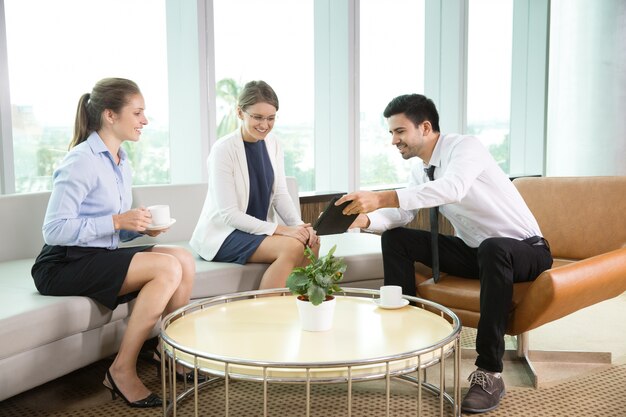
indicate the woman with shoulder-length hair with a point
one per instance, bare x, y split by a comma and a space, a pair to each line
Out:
89, 213
247, 188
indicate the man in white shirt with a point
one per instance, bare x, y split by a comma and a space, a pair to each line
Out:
497, 238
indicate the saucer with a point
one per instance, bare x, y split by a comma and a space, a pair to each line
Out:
403, 303
163, 226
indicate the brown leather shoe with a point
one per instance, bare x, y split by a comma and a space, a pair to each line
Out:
485, 392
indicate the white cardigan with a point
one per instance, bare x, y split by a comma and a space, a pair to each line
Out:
228, 193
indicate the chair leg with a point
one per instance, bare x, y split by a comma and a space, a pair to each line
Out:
526, 356
523, 355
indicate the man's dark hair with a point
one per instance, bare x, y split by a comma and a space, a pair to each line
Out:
416, 107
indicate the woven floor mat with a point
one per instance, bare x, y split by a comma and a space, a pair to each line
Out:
81, 394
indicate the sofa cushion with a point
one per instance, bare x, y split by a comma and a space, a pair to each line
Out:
29, 319
361, 252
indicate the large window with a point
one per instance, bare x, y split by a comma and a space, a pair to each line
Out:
391, 64
483, 62
490, 34
269, 40
57, 51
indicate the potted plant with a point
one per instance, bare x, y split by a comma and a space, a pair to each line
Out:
314, 285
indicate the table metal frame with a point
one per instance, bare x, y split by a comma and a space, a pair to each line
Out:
436, 353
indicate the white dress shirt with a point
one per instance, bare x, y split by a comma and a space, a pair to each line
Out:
473, 193
228, 192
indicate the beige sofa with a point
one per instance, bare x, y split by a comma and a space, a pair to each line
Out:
47, 337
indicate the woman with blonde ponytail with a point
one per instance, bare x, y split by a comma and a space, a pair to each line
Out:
89, 214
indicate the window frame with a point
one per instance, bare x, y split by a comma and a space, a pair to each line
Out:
529, 87
7, 167
336, 127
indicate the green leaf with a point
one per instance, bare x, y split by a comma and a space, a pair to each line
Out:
297, 282
316, 295
309, 254
324, 281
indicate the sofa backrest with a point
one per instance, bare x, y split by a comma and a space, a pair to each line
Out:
185, 201
22, 215
579, 216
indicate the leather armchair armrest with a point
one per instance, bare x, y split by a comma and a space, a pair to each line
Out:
563, 290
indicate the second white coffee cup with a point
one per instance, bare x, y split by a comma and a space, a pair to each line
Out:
160, 214
390, 295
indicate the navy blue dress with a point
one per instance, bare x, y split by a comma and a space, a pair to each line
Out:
239, 246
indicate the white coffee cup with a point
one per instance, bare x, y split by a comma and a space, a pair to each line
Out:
390, 295
160, 215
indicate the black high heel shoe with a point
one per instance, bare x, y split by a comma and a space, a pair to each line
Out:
180, 376
150, 401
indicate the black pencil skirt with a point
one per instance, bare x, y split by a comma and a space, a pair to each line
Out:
97, 273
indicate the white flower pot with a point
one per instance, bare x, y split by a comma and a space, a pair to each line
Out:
316, 318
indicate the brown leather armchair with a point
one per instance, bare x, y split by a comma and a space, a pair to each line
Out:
584, 220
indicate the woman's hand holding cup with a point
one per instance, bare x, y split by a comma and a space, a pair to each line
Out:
137, 220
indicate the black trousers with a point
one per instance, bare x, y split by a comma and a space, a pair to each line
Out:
497, 263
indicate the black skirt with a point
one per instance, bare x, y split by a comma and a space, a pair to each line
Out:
97, 273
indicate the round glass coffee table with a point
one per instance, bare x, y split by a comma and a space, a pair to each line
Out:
256, 336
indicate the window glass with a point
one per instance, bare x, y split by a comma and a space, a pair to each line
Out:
490, 36
269, 40
391, 64
58, 53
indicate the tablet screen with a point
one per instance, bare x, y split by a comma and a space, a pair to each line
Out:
332, 220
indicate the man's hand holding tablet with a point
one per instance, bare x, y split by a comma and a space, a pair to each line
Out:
367, 201
333, 220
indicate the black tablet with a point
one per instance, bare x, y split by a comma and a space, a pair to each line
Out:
332, 220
